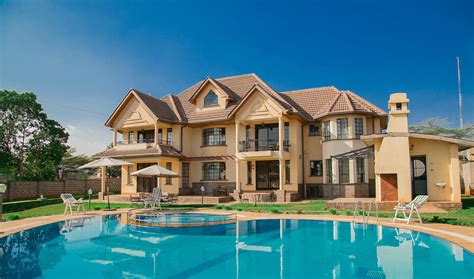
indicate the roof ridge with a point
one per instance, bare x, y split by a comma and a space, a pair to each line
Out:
348, 101
234, 76
308, 89
333, 103
174, 108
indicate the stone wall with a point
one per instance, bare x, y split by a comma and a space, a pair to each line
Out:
24, 190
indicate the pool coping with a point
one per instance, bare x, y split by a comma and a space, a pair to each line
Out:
460, 235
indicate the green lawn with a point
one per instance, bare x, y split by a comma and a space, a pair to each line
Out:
59, 209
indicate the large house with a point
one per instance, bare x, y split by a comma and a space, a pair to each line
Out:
240, 134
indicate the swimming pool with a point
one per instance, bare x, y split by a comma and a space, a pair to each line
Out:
106, 247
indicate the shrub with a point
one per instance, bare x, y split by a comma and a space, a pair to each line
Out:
274, 210
12, 217
97, 208
239, 209
25, 205
333, 211
218, 206
227, 207
348, 212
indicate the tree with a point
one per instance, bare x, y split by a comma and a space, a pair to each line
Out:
70, 164
437, 126
31, 144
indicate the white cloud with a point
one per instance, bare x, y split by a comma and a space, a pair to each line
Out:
88, 137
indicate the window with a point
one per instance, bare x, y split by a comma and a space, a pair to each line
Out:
185, 175
129, 174
327, 130
213, 171
160, 136
287, 172
314, 130
287, 133
249, 172
343, 170
210, 99
131, 137
169, 136
399, 106
213, 136
316, 168
146, 136
359, 127
328, 171
342, 128
360, 162
168, 167
247, 132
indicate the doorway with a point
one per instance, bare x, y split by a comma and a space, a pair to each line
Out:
145, 184
419, 177
268, 175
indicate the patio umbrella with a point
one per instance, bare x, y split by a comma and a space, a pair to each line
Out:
103, 163
155, 170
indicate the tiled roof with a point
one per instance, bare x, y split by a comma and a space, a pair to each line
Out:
309, 103
159, 150
322, 101
162, 109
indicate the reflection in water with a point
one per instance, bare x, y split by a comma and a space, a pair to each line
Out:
106, 247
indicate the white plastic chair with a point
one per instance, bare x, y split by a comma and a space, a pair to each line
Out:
154, 199
70, 201
414, 205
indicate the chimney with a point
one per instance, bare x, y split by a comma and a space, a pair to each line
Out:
398, 113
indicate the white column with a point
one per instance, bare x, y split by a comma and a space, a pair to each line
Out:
156, 133
281, 135
115, 137
352, 170
237, 165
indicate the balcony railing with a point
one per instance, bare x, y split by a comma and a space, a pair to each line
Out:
126, 142
261, 145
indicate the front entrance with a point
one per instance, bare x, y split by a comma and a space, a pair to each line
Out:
419, 177
268, 175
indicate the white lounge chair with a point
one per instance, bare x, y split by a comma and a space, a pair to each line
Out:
70, 201
154, 199
414, 205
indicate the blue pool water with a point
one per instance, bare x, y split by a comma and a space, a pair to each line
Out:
105, 247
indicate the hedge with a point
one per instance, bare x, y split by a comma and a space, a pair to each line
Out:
17, 206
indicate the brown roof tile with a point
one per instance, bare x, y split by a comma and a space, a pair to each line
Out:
309, 103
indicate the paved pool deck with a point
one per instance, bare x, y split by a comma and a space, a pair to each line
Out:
460, 235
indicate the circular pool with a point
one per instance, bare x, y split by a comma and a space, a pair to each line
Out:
156, 218
109, 247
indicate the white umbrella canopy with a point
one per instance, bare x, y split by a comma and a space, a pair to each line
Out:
104, 162
155, 170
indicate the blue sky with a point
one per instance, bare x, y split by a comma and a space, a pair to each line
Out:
81, 57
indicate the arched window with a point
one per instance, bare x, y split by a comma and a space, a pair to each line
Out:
210, 99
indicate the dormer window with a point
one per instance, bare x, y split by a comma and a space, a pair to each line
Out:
211, 99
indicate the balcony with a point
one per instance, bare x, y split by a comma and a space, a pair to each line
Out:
142, 141
262, 145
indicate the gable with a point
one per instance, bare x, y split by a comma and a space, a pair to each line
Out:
222, 98
133, 114
258, 106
